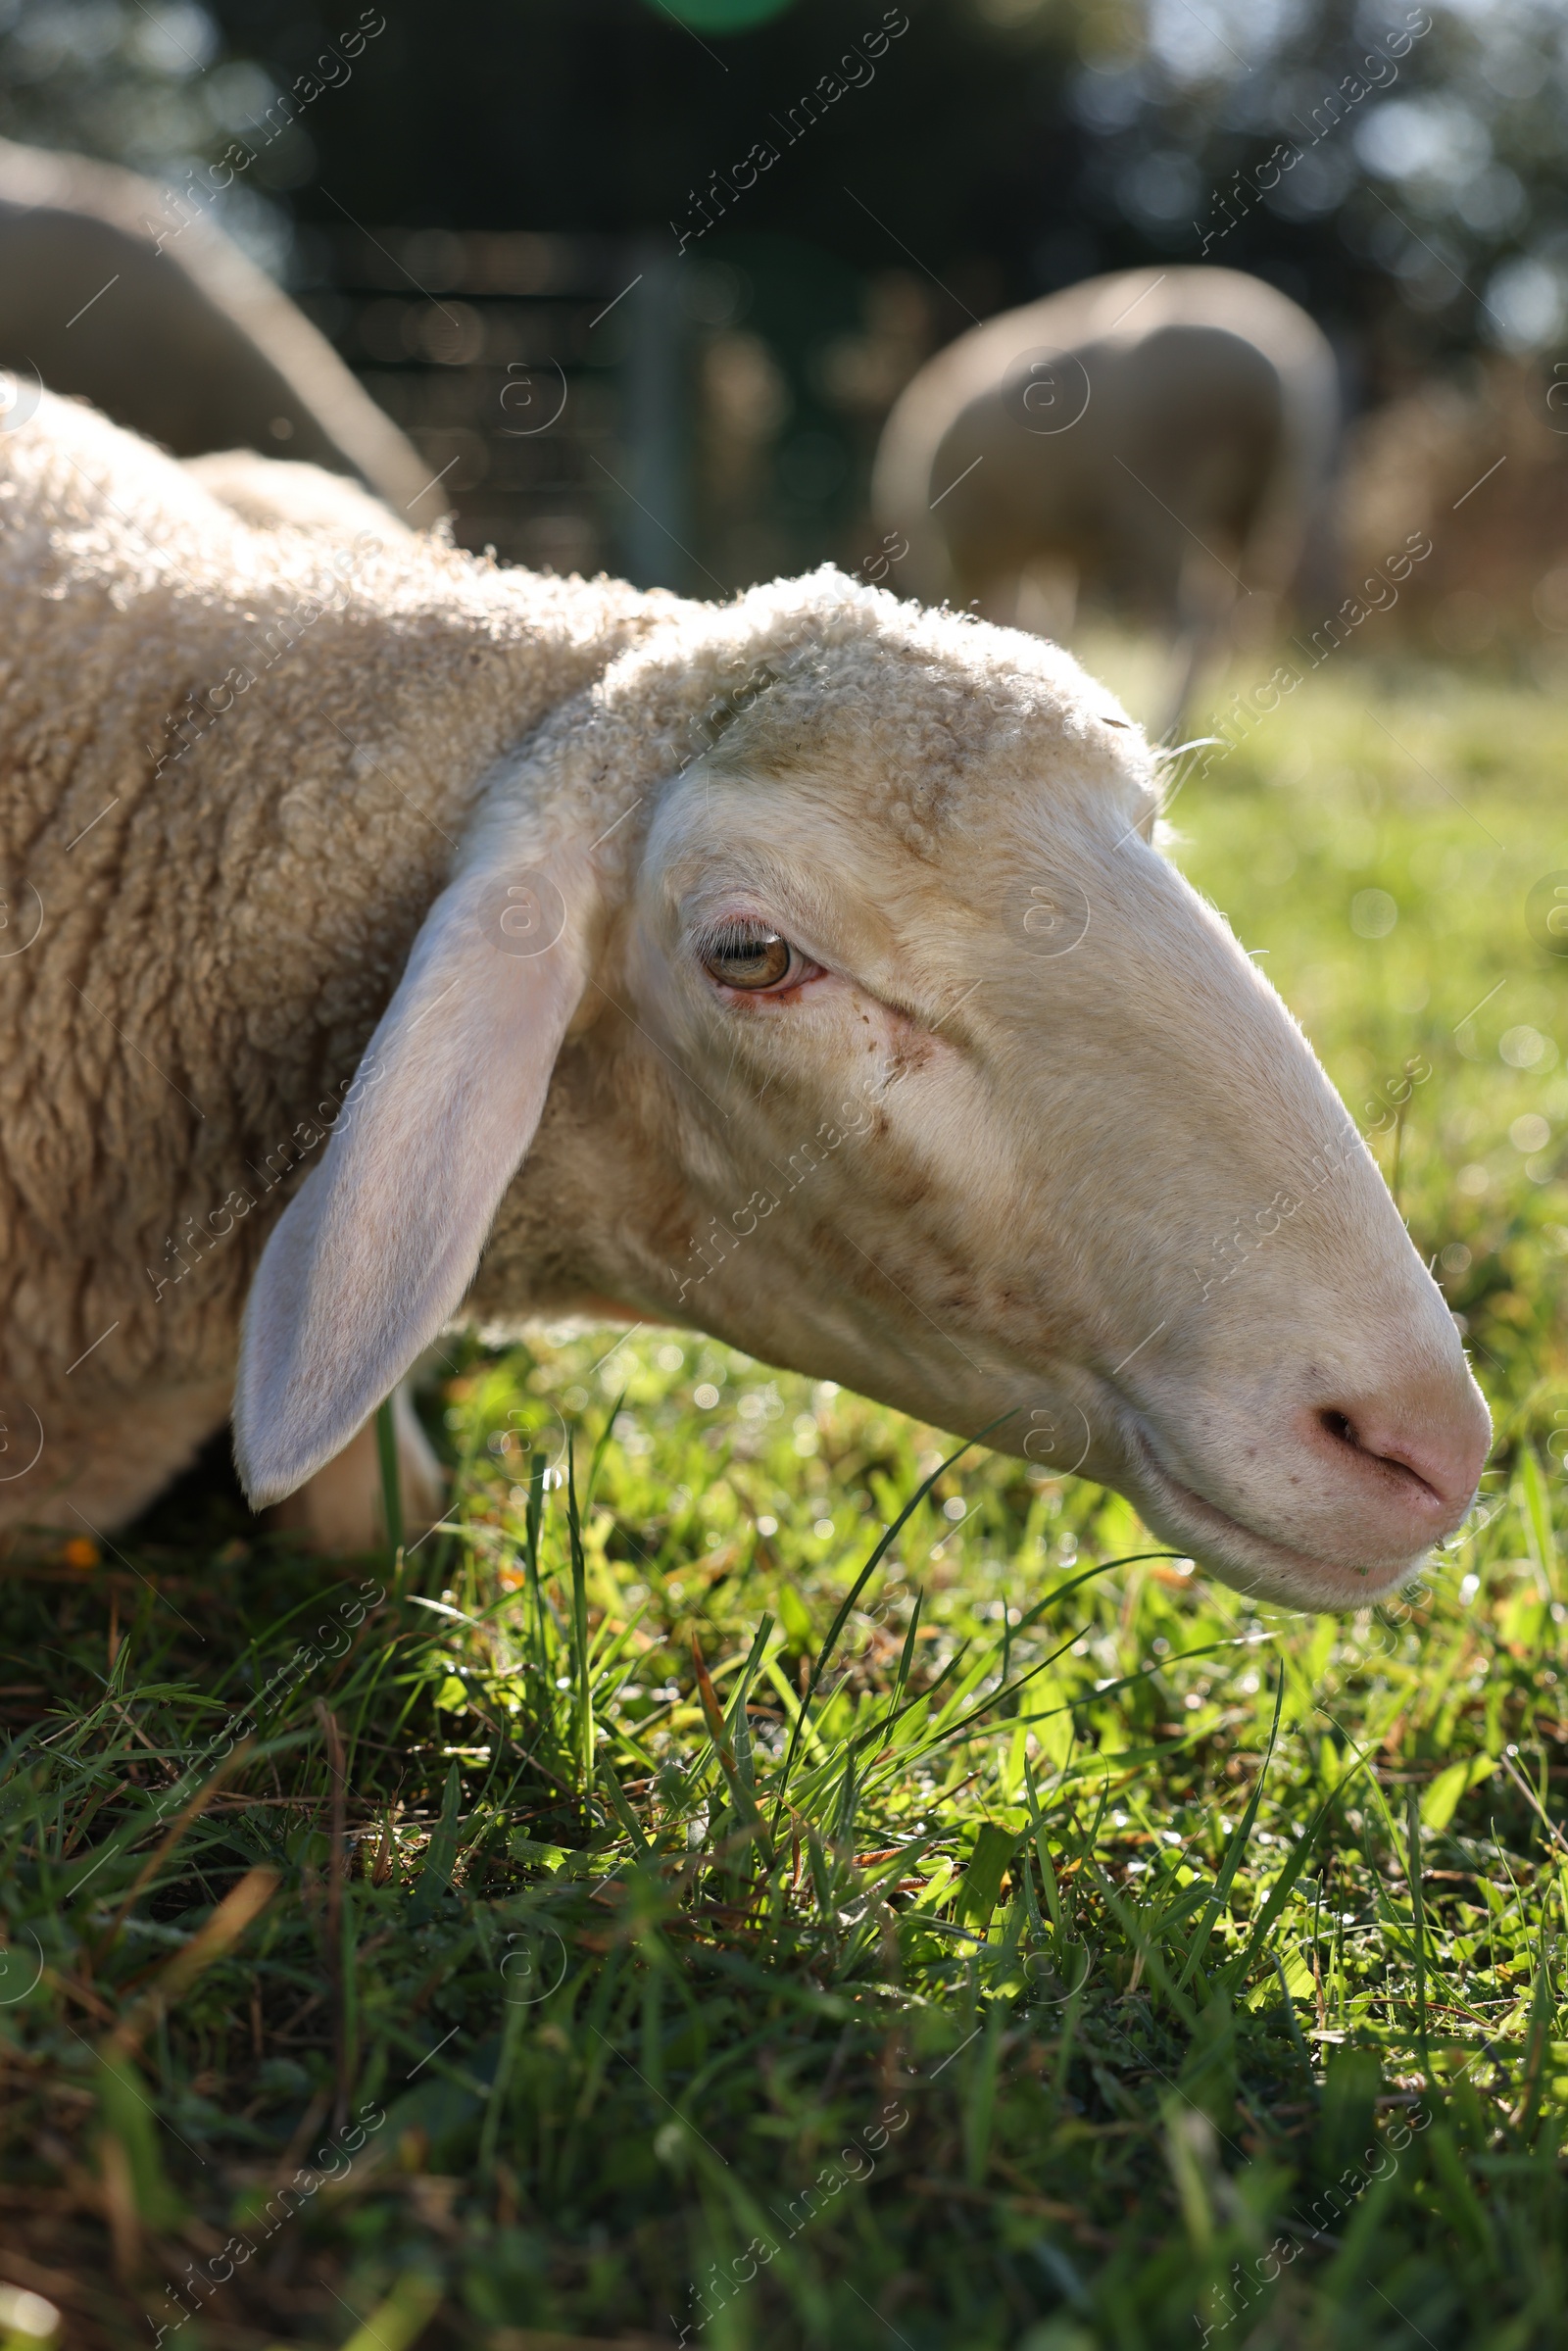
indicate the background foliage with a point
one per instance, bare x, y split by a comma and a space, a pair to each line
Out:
1013, 145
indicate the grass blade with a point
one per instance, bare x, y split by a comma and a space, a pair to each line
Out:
1237, 1847
879, 1550
581, 1664
386, 1447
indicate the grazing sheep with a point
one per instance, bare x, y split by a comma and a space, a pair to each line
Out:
798, 969
130, 297
1160, 438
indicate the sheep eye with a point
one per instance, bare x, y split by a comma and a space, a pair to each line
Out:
749, 958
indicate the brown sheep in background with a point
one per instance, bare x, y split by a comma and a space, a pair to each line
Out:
118, 294
1161, 440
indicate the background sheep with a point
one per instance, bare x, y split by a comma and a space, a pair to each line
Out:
1160, 438
854, 1155
117, 291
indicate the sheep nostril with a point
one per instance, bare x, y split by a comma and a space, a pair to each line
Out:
1416, 1452
1377, 1452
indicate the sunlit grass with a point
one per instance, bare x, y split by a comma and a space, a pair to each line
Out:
1048, 1948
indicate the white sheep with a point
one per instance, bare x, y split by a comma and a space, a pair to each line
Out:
798, 969
1160, 437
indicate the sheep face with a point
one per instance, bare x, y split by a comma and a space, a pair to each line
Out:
880, 1042
1016, 1129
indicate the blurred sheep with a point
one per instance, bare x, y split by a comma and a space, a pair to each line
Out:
122, 294
1160, 440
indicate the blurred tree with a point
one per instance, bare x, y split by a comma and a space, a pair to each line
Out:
721, 16
993, 149
117, 81
1402, 168
844, 187
148, 83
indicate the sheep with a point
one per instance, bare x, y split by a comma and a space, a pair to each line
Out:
134, 300
801, 970
1163, 438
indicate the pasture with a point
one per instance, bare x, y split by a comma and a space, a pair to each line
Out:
626, 1920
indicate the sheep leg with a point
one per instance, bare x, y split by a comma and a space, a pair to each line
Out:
340, 1508
1207, 605
90, 1471
1047, 600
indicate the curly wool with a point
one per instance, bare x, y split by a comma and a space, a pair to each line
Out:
821, 673
239, 763
236, 764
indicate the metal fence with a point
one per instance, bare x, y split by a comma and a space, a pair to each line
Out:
586, 403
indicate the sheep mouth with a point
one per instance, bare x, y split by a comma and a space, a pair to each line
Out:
1251, 1561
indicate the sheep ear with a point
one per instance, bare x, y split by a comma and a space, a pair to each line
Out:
376, 1252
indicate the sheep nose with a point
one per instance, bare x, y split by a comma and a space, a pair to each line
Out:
1422, 1461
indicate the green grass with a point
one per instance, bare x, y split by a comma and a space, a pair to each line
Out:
629, 1918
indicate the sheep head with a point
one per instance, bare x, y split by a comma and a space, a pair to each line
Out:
823, 958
